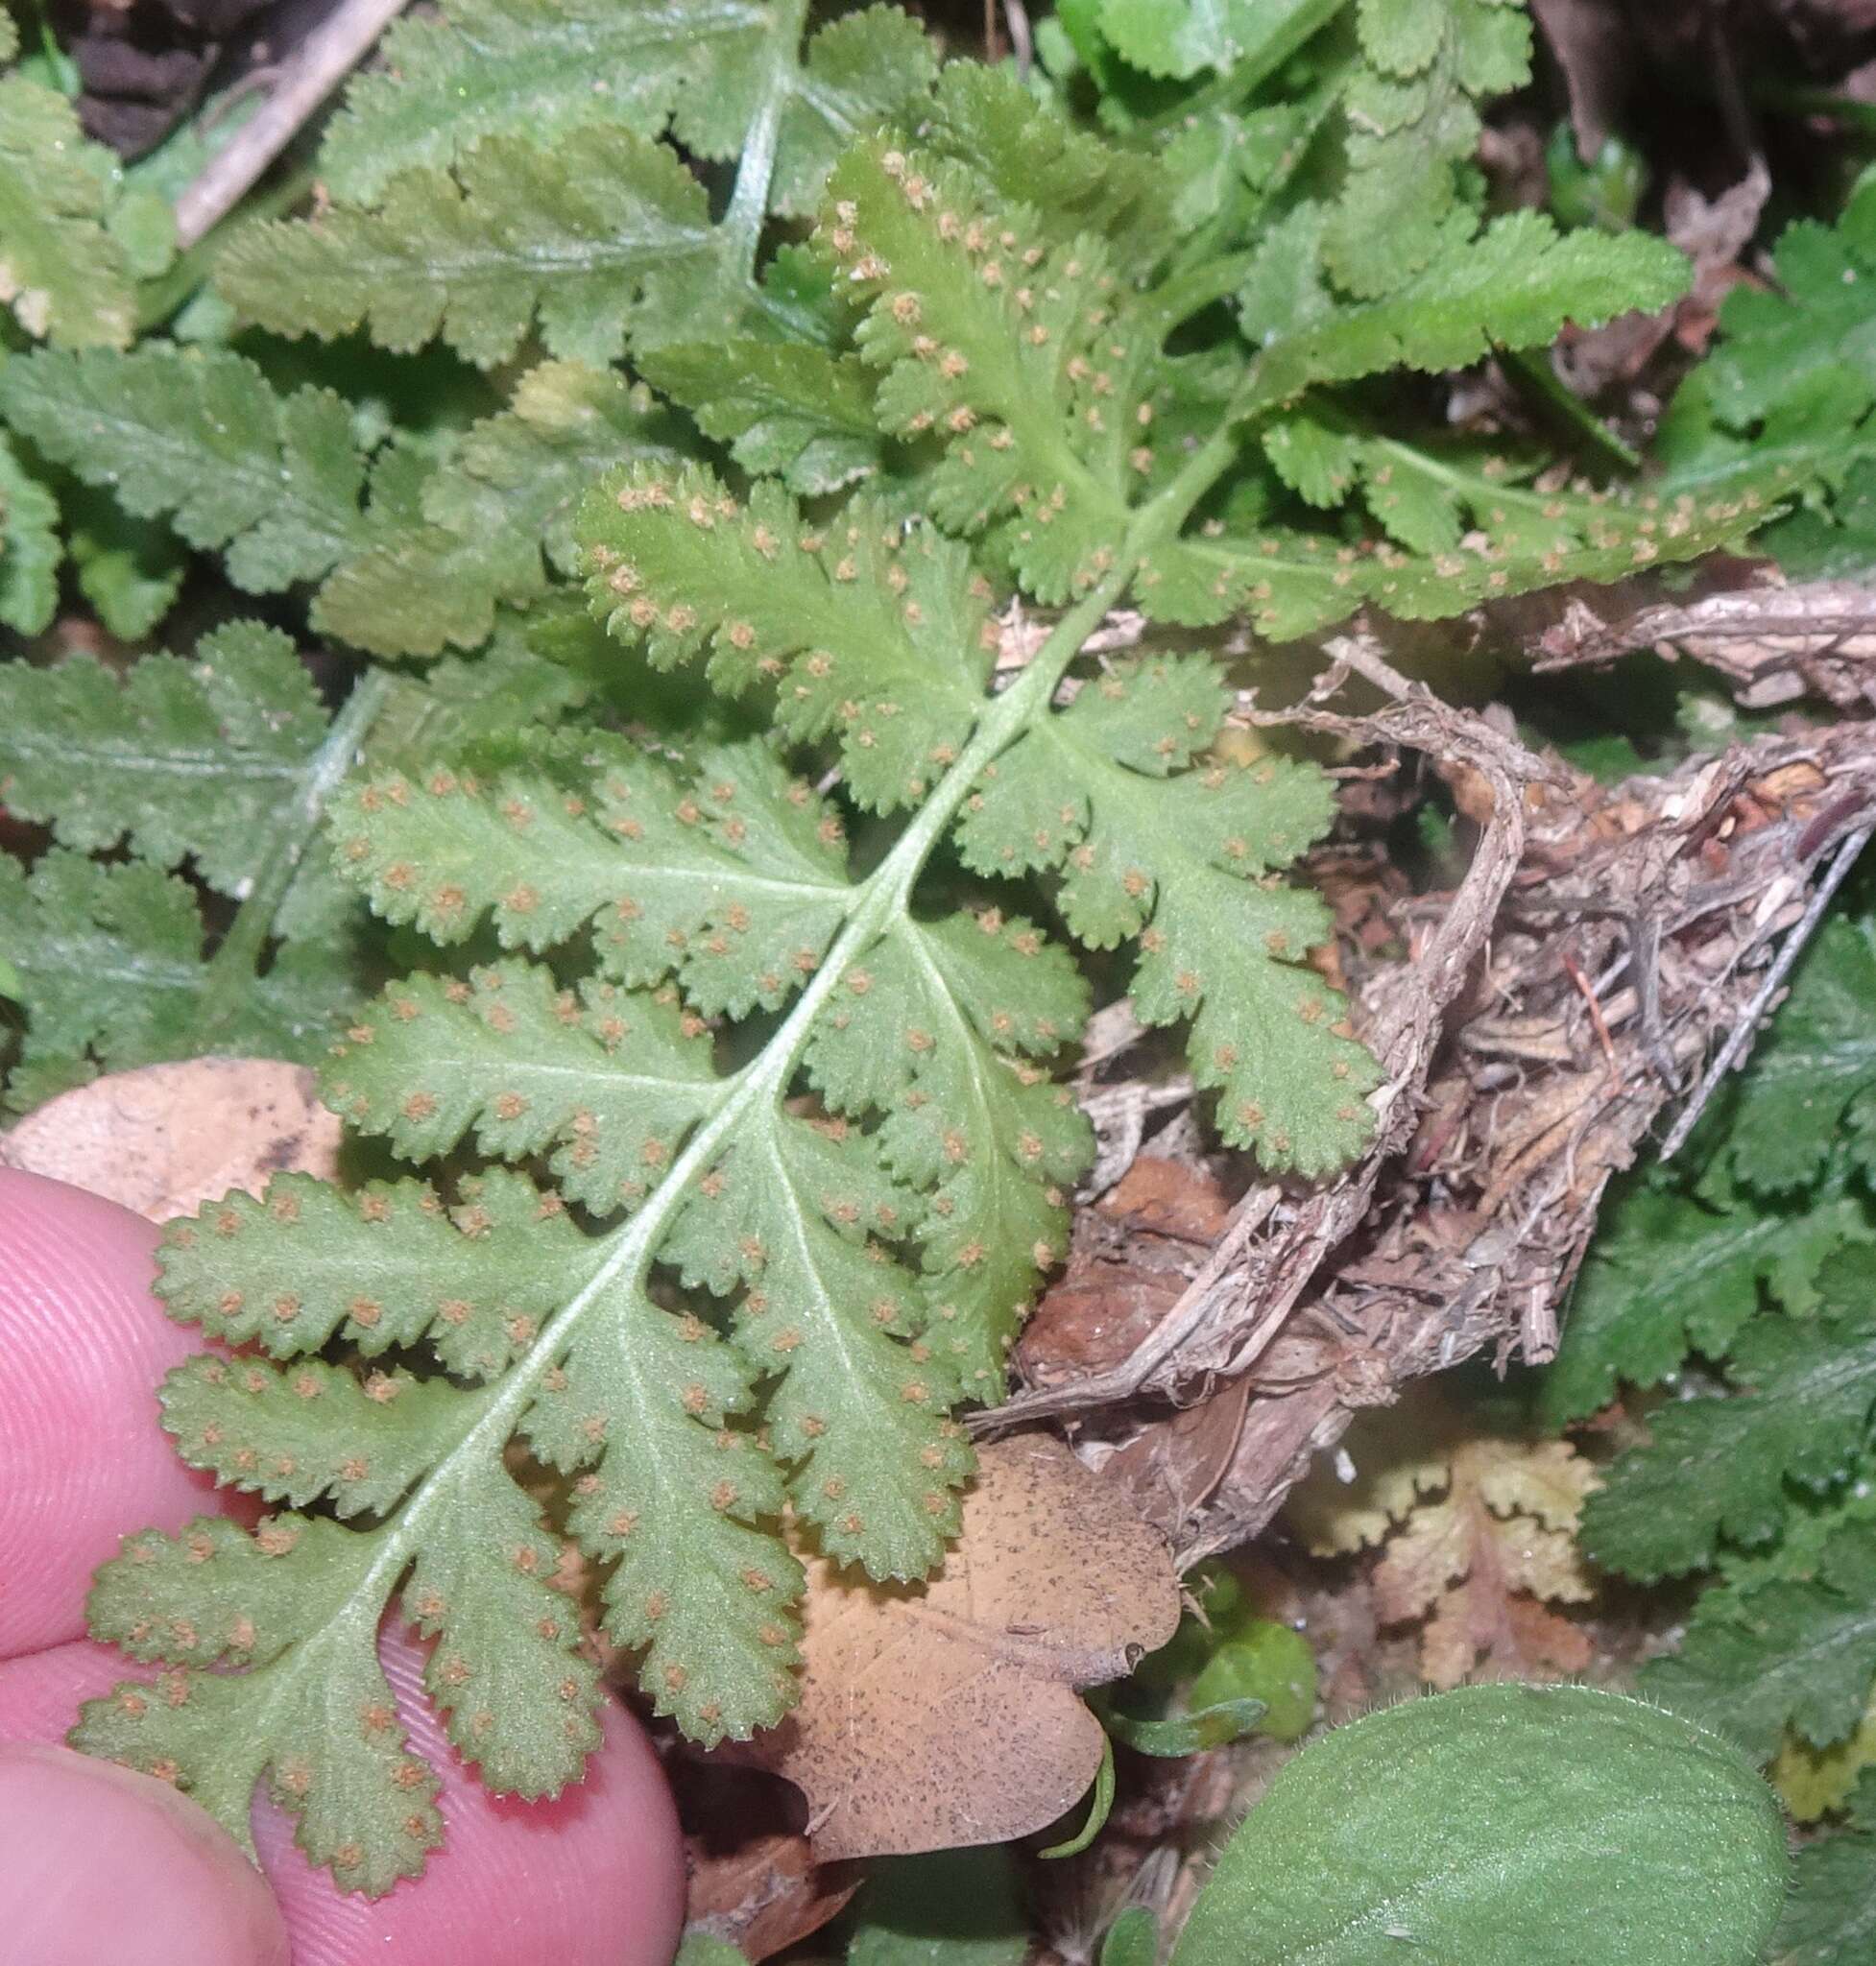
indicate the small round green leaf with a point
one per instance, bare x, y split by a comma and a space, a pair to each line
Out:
1552, 1826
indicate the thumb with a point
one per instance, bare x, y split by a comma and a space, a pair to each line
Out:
104, 1864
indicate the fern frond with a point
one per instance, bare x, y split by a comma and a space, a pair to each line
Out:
201, 439
526, 69
1004, 348
63, 275
1717, 1467
1796, 1653
888, 648
602, 232
602, 235
1412, 123
115, 973
180, 760
30, 546
1152, 850
221, 764
453, 542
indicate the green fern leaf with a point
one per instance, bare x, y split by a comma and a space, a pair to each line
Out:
891, 649
1809, 1091
180, 760
601, 232
130, 569
114, 968
1005, 347
737, 901
794, 410
201, 439
1796, 1654
1831, 1914
1788, 381
365, 1806
221, 765
453, 541
1514, 286
29, 547
1676, 1272
604, 233
1030, 155
1178, 39
1412, 125
63, 275
1717, 1467
1178, 865
525, 68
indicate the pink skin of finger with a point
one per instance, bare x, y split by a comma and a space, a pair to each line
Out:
594, 1878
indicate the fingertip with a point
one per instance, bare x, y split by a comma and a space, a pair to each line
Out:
84, 1345
104, 1863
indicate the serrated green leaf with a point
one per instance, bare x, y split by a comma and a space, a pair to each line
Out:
793, 410
30, 548
1790, 1653
130, 569
603, 234
364, 1804
1176, 866
526, 69
1717, 1466
112, 961
731, 881
1830, 1917
201, 439
534, 1072
1811, 1086
1031, 157
1411, 125
880, 639
62, 273
1001, 346
454, 541
1514, 286
1177, 38
1673, 1272
181, 760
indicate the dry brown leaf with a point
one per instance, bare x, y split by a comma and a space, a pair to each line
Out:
165, 1139
1476, 1533
1134, 1254
946, 1715
766, 1894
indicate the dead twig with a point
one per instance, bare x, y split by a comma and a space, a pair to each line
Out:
1770, 644
304, 79
1734, 1049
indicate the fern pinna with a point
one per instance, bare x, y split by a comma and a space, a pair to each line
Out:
747, 1143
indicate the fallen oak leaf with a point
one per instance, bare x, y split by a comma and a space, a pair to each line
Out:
947, 1715
165, 1139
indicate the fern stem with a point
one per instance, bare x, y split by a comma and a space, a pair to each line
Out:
230, 970
749, 196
